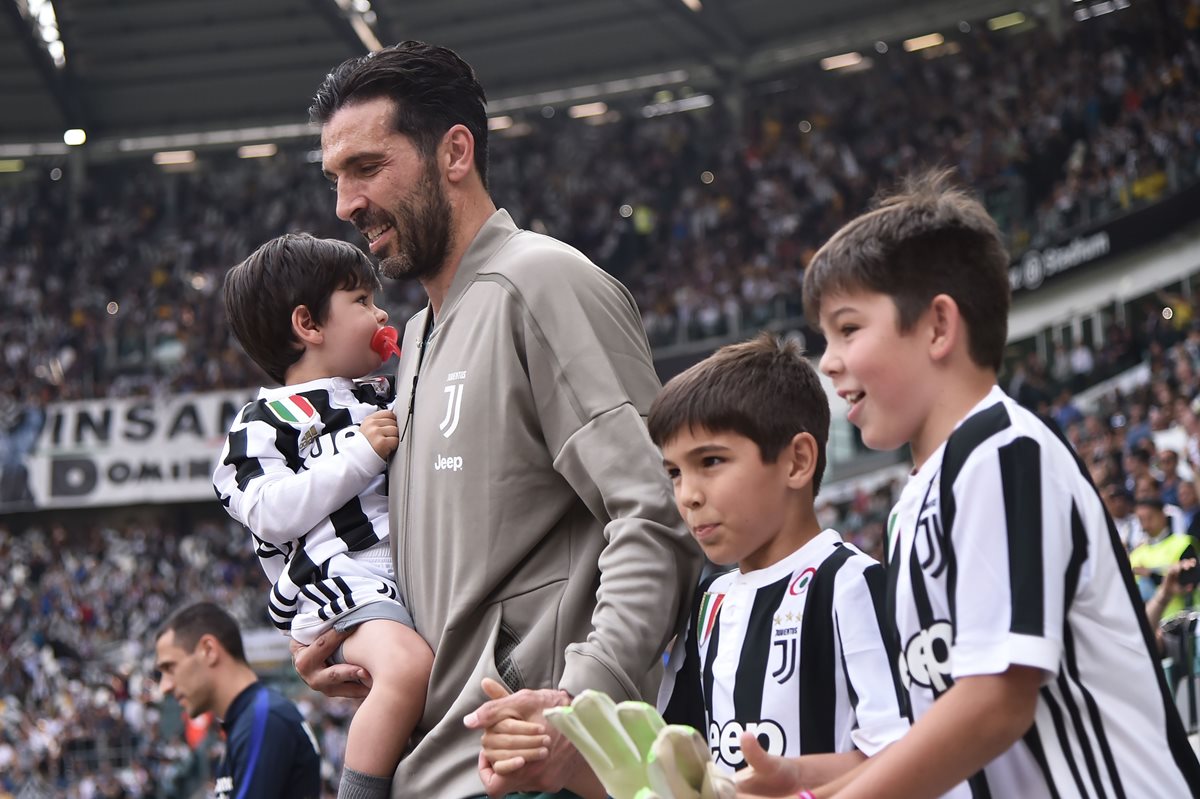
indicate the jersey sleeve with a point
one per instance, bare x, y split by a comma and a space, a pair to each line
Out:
262, 483
1011, 539
867, 656
593, 379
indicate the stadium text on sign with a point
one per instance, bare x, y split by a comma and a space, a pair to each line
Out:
113, 452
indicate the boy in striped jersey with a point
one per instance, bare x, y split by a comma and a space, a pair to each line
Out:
787, 647
1023, 648
304, 468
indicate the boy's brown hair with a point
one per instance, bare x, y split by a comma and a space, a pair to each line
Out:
290, 270
930, 238
763, 389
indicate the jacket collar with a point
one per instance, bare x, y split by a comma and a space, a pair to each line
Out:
497, 230
239, 705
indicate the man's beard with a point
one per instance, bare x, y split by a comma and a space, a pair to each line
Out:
422, 231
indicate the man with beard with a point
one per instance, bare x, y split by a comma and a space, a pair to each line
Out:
533, 529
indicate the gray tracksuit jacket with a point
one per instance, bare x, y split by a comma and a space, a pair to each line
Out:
535, 533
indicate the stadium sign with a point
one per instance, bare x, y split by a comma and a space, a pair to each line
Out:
1037, 265
1124, 234
130, 451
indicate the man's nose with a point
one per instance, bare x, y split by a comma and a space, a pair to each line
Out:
349, 201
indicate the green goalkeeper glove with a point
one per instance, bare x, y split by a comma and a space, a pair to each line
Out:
636, 754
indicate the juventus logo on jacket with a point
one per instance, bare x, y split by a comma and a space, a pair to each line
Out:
454, 391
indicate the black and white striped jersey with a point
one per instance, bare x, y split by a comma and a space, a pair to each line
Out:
313, 492
793, 653
1000, 553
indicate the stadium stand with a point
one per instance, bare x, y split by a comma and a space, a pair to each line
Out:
1050, 147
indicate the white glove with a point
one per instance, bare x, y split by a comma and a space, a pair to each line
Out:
636, 754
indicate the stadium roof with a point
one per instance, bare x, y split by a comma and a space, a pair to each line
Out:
140, 67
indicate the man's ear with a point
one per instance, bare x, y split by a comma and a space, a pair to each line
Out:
209, 649
801, 453
304, 327
946, 326
457, 153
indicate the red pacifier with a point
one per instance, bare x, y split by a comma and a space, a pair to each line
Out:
384, 342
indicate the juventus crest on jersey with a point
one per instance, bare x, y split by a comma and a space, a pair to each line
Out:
1000, 553
792, 653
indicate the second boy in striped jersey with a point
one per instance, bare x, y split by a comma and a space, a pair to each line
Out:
304, 468
1022, 645
787, 647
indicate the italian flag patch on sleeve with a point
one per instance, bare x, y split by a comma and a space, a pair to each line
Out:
293, 410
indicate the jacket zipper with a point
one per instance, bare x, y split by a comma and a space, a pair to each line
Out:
408, 464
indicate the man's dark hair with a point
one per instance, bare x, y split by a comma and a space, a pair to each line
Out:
432, 87
763, 389
930, 238
290, 270
1115, 489
1140, 455
193, 622
1150, 501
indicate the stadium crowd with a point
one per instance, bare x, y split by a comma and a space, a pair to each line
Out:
82, 715
119, 294
77, 619
116, 292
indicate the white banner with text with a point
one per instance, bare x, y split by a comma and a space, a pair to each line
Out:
129, 451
